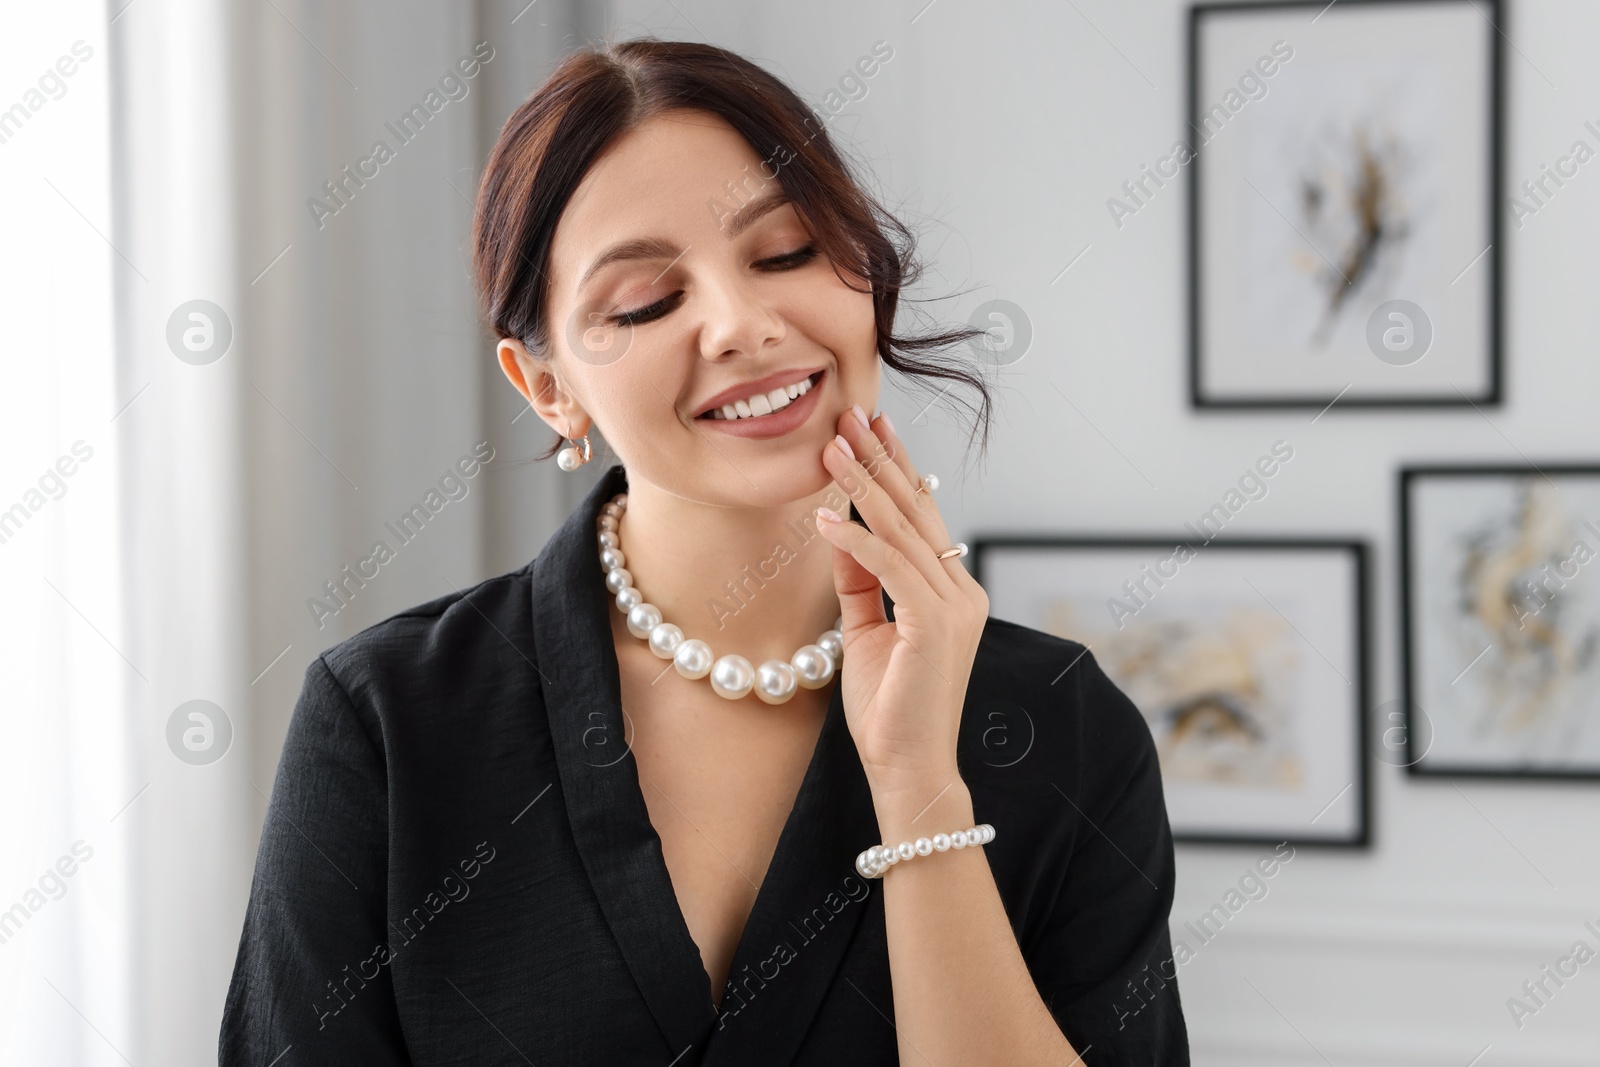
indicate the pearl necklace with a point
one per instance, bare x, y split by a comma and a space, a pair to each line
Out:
732, 676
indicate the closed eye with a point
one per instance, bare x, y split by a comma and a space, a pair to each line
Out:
789, 260
648, 313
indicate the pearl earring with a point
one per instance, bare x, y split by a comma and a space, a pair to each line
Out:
570, 458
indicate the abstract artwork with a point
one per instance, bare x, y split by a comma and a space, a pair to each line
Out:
1501, 603
1245, 657
1344, 204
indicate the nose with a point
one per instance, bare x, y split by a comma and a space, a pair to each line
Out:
736, 318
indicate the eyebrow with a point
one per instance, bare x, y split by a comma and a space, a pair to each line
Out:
660, 248
746, 216
641, 248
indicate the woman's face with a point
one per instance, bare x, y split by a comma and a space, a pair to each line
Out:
669, 296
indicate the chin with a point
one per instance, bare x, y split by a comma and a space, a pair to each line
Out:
794, 476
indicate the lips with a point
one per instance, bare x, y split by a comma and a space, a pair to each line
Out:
745, 390
779, 423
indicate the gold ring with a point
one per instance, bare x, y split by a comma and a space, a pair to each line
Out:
957, 550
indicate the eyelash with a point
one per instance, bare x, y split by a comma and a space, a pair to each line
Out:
649, 313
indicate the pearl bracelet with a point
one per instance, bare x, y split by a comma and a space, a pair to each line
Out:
878, 859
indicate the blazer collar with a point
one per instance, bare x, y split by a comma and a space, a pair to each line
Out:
809, 903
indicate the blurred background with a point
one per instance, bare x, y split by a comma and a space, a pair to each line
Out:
217, 393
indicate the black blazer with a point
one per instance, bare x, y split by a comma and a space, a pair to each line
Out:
458, 867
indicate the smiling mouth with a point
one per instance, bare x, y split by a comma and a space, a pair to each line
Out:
761, 405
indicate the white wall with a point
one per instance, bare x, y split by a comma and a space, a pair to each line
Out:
1002, 128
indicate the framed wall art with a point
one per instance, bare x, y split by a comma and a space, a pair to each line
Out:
1345, 203
1500, 605
1247, 659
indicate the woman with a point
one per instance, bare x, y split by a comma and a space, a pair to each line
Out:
562, 817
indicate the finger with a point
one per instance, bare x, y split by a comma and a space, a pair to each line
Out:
887, 565
860, 592
896, 448
884, 516
921, 509
886, 460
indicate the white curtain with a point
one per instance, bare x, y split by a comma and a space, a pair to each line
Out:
66, 663
218, 397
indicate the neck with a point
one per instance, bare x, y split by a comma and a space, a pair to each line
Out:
756, 581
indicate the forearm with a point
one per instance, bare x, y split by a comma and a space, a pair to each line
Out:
962, 992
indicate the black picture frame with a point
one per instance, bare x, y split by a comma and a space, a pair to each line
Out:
1203, 399
985, 547
1419, 724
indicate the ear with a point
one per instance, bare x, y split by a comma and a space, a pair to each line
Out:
536, 380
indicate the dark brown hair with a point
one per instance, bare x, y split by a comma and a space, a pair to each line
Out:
596, 95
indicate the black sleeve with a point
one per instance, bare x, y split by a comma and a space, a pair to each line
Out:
304, 974
1106, 967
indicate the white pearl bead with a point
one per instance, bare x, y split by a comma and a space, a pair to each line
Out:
642, 619
988, 833
974, 837
931, 481
775, 681
569, 459
941, 842
924, 846
891, 855
958, 840
732, 677
905, 850
665, 639
813, 667
693, 658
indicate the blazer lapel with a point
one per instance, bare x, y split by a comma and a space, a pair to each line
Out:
611, 825
811, 900
806, 912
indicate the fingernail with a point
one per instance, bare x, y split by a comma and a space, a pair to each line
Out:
866, 424
844, 446
884, 415
829, 515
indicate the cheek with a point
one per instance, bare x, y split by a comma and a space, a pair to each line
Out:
838, 318
634, 395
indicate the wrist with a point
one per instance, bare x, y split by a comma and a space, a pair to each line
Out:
922, 806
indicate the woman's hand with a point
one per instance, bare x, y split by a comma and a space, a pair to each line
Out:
903, 682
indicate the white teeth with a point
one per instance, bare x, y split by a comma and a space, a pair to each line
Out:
763, 403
